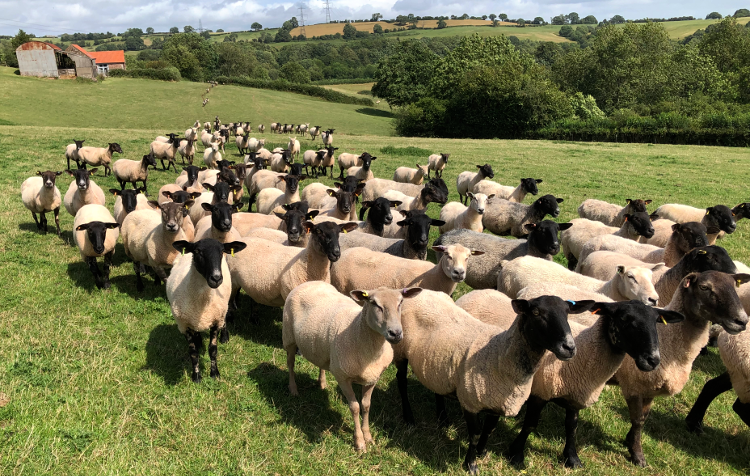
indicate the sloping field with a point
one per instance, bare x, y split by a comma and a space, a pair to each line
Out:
333, 28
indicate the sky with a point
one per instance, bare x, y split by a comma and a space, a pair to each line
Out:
53, 17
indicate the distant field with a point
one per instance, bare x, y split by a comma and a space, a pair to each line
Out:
680, 29
333, 28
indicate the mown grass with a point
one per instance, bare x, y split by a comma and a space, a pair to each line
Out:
97, 382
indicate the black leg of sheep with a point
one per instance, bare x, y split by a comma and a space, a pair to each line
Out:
570, 452
639, 409
107, 266
36, 220
490, 422
402, 369
91, 262
56, 211
440, 411
711, 390
534, 407
195, 343
213, 348
474, 429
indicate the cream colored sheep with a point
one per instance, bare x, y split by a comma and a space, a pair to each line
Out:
294, 147
609, 213
128, 201
40, 195
377, 188
71, 152
99, 156
244, 222
133, 171
502, 217
718, 220
95, 232
437, 162
360, 173
466, 181
489, 306
212, 155
517, 194
218, 225
190, 177
280, 162
187, 150
409, 175
346, 161
82, 191
457, 216
160, 150
583, 230
271, 198
352, 342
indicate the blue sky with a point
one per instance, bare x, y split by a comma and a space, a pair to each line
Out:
58, 16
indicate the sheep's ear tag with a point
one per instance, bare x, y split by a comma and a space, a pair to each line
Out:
572, 302
701, 252
738, 282
663, 320
595, 311
364, 294
707, 212
183, 251
344, 230
232, 252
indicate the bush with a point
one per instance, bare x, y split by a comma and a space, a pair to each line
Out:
306, 89
163, 74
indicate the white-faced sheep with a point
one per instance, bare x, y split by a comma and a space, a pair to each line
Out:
437, 162
609, 213
294, 147
517, 194
466, 180
502, 217
352, 342
211, 155
95, 232
99, 156
198, 291
82, 191
40, 195
187, 150
409, 175
457, 216
133, 171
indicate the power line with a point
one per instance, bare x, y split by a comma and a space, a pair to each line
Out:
200, 26
303, 32
328, 12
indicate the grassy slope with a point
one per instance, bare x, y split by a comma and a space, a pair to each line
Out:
96, 381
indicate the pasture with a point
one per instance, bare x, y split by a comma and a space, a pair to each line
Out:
98, 382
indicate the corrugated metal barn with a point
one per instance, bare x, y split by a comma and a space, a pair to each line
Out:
85, 64
37, 58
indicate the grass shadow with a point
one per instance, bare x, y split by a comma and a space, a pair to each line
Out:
311, 412
167, 354
710, 363
126, 285
371, 111
80, 274
265, 330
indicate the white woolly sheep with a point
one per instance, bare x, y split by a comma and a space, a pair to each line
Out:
212, 155
502, 217
128, 201
271, 198
187, 150
609, 213
133, 171
466, 180
409, 175
95, 232
457, 216
437, 162
294, 147
82, 191
218, 225
71, 152
99, 156
717, 219
40, 195
517, 194
168, 151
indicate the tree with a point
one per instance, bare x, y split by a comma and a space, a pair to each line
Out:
441, 24
283, 36
174, 30
714, 16
294, 73
484, 17
220, 30
377, 28
195, 57
402, 77
617, 19
465, 16
376, 17
521, 22
503, 16
538, 21
234, 60
566, 31
742, 13
150, 31
493, 16
206, 34
350, 32
20, 38
573, 17
547, 53
188, 29
256, 26
559, 20
134, 43
589, 20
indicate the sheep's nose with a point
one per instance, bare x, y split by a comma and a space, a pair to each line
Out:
215, 279
653, 360
651, 302
395, 335
480, 211
459, 274
227, 223
172, 226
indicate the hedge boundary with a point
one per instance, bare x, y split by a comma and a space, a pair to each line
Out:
305, 89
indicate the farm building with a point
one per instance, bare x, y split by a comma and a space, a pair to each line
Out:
107, 60
85, 64
37, 58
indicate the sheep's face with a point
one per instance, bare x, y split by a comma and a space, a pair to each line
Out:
382, 310
418, 230
295, 169
149, 160
331, 150
221, 215
325, 237
192, 173
241, 170
548, 205
367, 161
422, 170
689, 235
293, 220
708, 258
128, 197
226, 175
721, 216
82, 177
634, 282
319, 156
180, 196
172, 215
445, 157
292, 182
430, 194
711, 296
350, 184
640, 222
637, 205
380, 210
631, 328
486, 171
544, 323
48, 178
115, 147
344, 200
96, 233
543, 236
455, 260
741, 211
529, 185
478, 201
441, 189
220, 190
208, 257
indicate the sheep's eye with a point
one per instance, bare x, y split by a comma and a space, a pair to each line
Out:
535, 312
703, 287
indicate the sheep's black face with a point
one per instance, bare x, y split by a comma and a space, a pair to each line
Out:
221, 215
326, 237
445, 157
149, 160
96, 232
380, 212
292, 183
637, 205
543, 235
741, 211
226, 175
241, 171
82, 177
486, 171
349, 184
115, 147
723, 218
220, 190
708, 258
439, 193
192, 173
48, 178
208, 255
418, 229
711, 296
548, 205
129, 198
690, 235
367, 161
295, 169
331, 150
641, 223
544, 323
529, 185
344, 201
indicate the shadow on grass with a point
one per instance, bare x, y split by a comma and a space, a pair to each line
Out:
167, 354
310, 412
371, 111
264, 330
126, 284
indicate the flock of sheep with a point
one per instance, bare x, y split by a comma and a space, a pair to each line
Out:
358, 294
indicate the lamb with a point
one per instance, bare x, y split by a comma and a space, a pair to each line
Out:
294, 147
719, 216
701, 298
542, 242
352, 342
128, 201
271, 198
212, 155
218, 225
517, 194
629, 283
95, 233
502, 217
192, 132
82, 191
187, 150
409, 175
148, 237
261, 128
363, 173
269, 280
71, 152
466, 180
198, 292
609, 213
361, 266
487, 369
437, 162
166, 151
99, 156
133, 171
189, 177
457, 216
40, 195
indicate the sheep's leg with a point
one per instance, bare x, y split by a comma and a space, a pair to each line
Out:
91, 262
639, 408
195, 342
56, 211
122, 184
341, 173
43, 221
402, 368
742, 410
107, 266
441, 414
291, 354
107, 170
139, 269
475, 430
36, 220
322, 379
711, 390
366, 399
162, 164
570, 452
490, 422
534, 407
213, 347
348, 391
145, 188
161, 275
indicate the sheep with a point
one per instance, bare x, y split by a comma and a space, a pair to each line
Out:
328, 160
719, 216
609, 213
280, 161
198, 291
314, 131
95, 232
242, 142
99, 156
574, 239
40, 195
327, 139
170, 191
363, 173
437, 162
292, 222
244, 222
263, 179
379, 215
352, 342
219, 224
166, 140
466, 180
270, 198
488, 305
82, 191
701, 298
378, 187
207, 138
517, 194
313, 158
147, 238
71, 152
254, 145
270, 273
457, 216
261, 128
128, 201
345, 207
629, 283
541, 242
361, 268
215, 194
294, 147
502, 217
409, 175
487, 369
133, 171
187, 150
303, 128
168, 151
346, 160
189, 177
212, 155
192, 132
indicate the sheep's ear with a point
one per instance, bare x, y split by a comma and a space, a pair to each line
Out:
669, 317
39, 172
208, 187
479, 166
437, 222
331, 192
395, 203
439, 248
70, 172
195, 194
337, 184
203, 168
647, 202
361, 186
539, 180
234, 247
347, 227
410, 292
359, 296
676, 227
366, 205
653, 216
187, 205
153, 204
628, 216
564, 226
470, 195
309, 226
303, 177
311, 215
530, 227
658, 266
520, 306
577, 307
559, 200
207, 207
620, 269
490, 196
93, 171
628, 200
741, 278
236, 207
184, 188
476, 253
183, 246
114, 191
418, 166
167, 194
373, 158
280, 215
111, 225
709, 210
58, 173
85, 226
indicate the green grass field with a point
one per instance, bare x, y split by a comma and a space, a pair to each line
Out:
96, 382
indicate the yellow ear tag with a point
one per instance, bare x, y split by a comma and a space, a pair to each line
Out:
663, 320
707, 212
183, 251
364, 294
344, 230
738, 283
232, 252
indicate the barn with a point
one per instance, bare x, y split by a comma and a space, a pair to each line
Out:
85, 64
37, 58
108, 60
